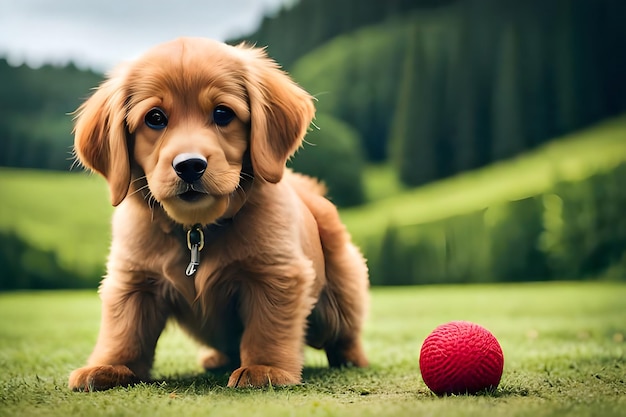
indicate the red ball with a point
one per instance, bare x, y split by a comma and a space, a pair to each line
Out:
461, 357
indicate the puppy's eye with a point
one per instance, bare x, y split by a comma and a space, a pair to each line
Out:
156, 119
223, 115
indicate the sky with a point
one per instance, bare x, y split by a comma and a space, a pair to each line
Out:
99, 34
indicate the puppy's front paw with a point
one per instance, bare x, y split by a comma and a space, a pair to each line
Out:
260, 376
99, 378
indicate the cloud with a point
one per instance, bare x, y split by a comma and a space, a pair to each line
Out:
99, 34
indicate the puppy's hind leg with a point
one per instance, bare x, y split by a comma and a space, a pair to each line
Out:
213, 360
346, 302
342, 308
336, 322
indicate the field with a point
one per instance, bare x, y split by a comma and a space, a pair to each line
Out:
563, 345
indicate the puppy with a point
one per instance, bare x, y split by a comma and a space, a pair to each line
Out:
210, 229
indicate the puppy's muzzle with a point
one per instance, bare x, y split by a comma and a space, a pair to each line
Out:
189, 166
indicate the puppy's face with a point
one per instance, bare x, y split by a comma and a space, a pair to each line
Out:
182, 121
191, 124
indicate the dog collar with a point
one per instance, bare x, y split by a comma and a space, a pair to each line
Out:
195, 243
196, 236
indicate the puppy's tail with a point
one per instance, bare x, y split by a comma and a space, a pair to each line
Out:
303, 184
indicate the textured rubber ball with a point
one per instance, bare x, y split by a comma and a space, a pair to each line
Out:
461, 357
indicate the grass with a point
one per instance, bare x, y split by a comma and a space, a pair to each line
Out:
563, 345
68, 213
381, 181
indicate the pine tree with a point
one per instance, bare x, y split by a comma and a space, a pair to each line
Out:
508, 108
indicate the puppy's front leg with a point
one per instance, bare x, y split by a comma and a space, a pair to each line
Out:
132, 320
274, 315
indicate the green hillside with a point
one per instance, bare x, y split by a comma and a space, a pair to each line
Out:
570, 158
68, 214
553, 213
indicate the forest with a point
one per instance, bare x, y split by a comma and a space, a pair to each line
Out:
35, 117
429, 88
435, 87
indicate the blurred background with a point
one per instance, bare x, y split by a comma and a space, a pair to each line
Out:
464, 140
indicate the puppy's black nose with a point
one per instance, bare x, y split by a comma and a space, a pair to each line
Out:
189, 166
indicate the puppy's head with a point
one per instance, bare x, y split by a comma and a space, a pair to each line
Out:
180, 122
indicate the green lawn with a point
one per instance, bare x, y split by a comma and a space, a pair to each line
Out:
563, 345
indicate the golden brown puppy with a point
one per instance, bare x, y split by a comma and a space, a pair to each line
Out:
210, 229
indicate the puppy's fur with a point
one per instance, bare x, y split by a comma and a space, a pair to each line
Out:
277, 268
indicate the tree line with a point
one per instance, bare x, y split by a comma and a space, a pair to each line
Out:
442, 90
435, 87
305, 25
490, 89
35, 113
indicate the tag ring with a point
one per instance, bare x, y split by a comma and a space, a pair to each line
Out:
195, 240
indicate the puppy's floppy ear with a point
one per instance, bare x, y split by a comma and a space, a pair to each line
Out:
100, 136
281, 112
